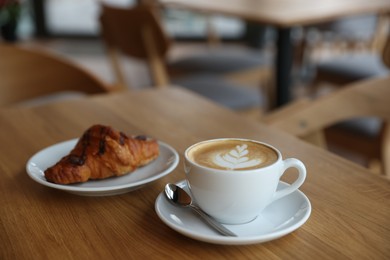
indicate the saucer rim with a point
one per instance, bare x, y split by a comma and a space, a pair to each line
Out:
219, 239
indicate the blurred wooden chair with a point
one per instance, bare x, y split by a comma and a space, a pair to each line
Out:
364, 133
353, 66
241, 63
349, 34
370, 98
137, 32
31, 77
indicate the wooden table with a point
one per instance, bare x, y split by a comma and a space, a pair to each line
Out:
351, 208
284, 15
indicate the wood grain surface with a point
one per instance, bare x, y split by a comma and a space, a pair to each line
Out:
350, 207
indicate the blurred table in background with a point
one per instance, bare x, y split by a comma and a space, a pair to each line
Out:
284, 15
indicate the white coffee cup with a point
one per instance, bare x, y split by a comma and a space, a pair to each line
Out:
234, 179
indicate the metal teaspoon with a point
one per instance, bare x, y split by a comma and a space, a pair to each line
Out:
179, 197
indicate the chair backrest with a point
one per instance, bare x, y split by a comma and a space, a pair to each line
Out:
362, 99
135, 32
27, 73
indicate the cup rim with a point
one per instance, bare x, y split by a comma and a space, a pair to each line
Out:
232, 138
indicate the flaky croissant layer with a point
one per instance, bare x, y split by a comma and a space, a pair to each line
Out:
101, 153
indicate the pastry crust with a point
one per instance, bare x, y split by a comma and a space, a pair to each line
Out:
101, 153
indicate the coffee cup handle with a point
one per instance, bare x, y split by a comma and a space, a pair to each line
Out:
291, 163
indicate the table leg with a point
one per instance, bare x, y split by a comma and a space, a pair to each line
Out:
283, 66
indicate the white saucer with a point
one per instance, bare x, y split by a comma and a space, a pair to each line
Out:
278, 219
165, 163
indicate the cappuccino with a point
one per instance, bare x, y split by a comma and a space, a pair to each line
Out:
232, 154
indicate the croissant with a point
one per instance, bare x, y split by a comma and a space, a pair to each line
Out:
101, 153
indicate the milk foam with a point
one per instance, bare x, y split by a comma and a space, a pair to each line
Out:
236, 159
232, 154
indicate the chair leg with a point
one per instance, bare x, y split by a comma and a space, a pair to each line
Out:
385, 153
120, 79
157, 66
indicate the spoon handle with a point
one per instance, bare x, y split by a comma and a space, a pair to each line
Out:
213, 223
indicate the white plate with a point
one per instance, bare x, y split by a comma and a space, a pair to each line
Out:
165, 163
278, 219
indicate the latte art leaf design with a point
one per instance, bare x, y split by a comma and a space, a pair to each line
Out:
236, 158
